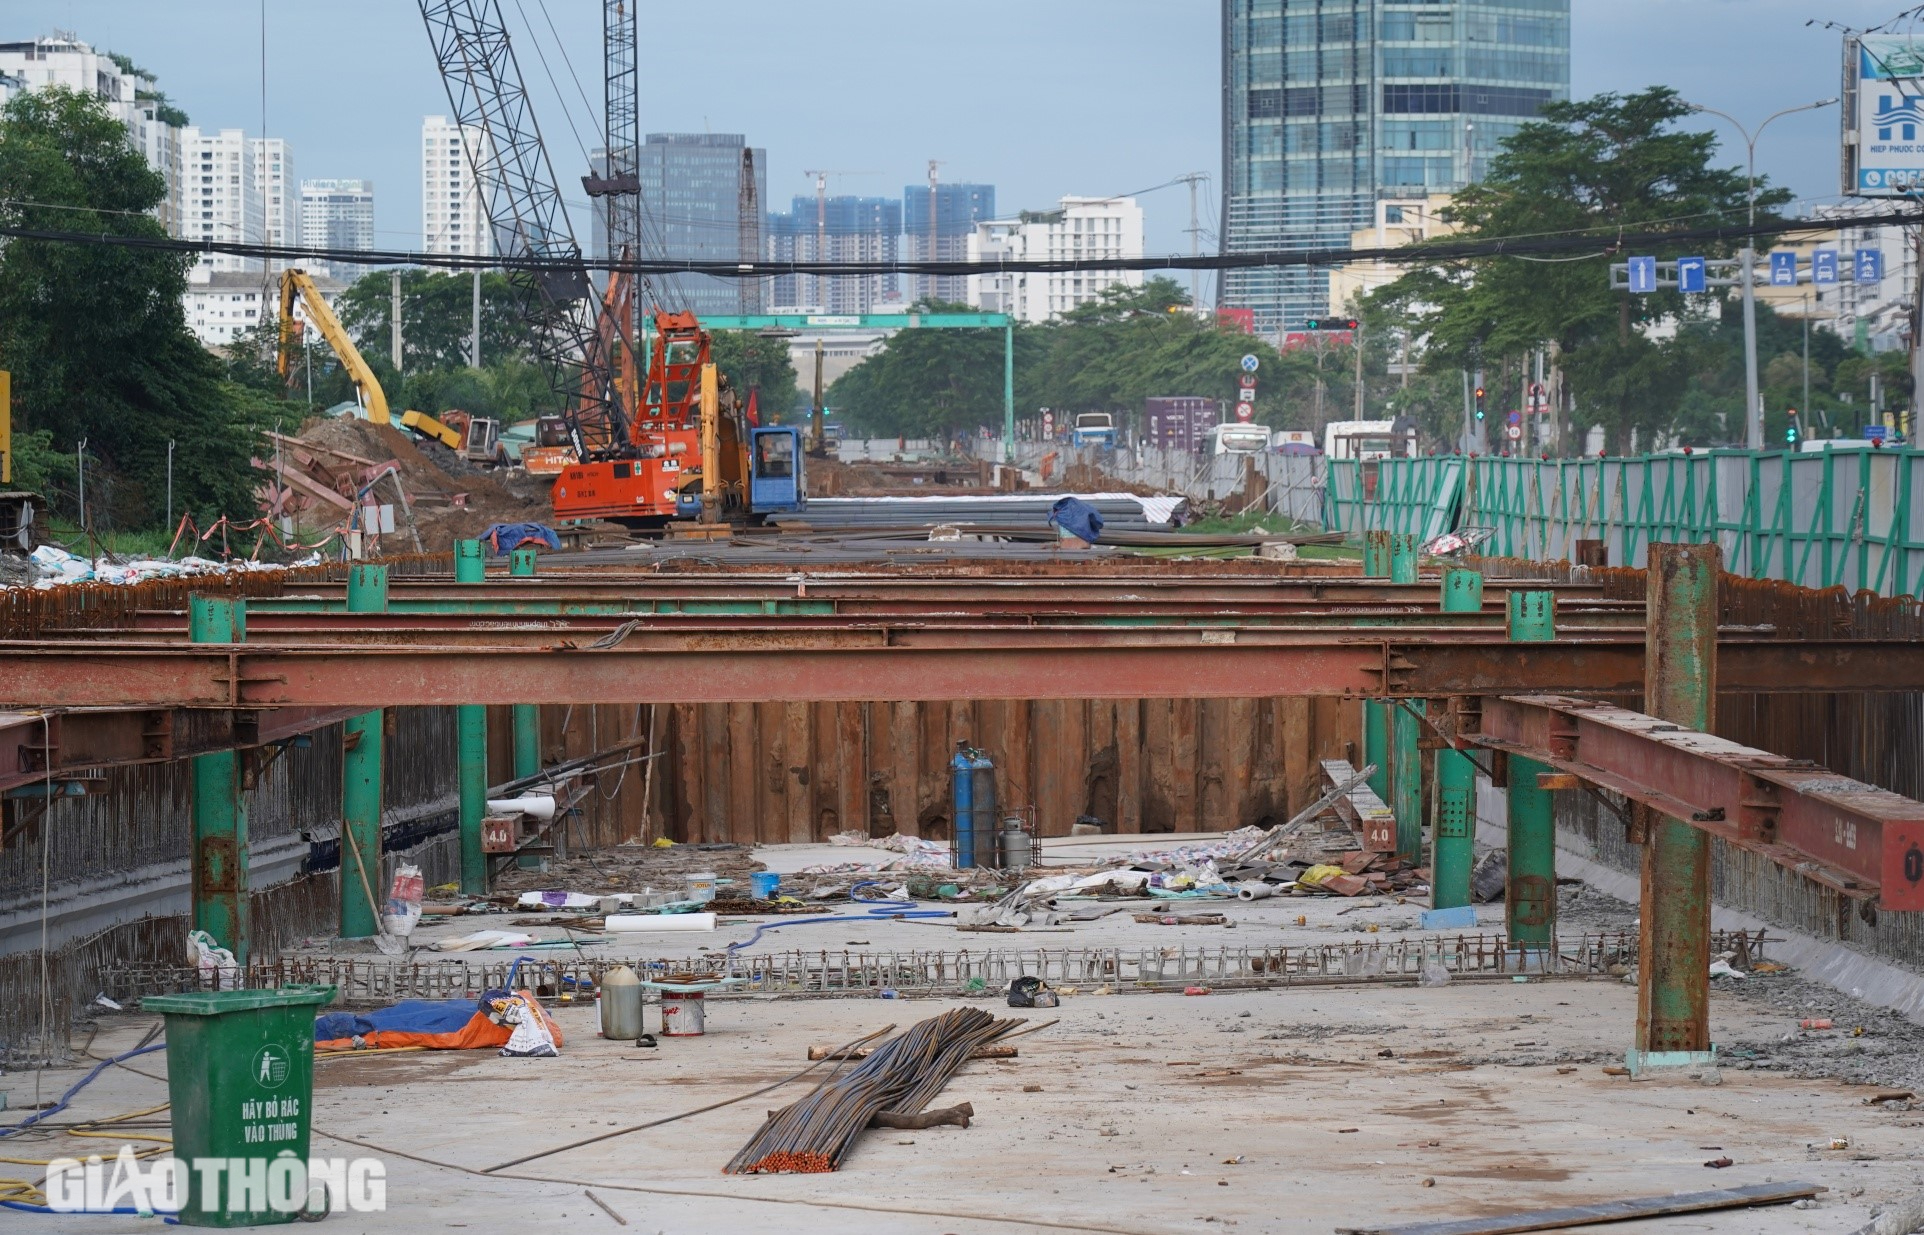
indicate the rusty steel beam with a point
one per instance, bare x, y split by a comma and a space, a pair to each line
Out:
1863, 842
42, 745
855, 663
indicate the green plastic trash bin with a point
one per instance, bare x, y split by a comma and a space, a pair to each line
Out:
240, 1074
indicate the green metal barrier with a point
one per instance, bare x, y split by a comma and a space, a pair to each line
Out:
1850, 518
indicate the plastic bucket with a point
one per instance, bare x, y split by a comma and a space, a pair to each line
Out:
683, 1014
701, 885
765, 884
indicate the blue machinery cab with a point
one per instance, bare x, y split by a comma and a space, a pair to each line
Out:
776, 483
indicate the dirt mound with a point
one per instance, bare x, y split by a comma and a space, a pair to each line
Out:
448, 498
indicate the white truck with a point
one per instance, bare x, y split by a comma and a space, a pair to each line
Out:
1093, 429
1368, 439
1238, 437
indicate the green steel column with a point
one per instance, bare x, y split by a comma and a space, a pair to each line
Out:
527, 716
1402, 557
1406, 778
361, 799
1680, 686
1376, 555
471, 741
1533, 617
1462, 590
219, 810
1530, 899
1453, 852
1376, 741
1454, 849
1008, 390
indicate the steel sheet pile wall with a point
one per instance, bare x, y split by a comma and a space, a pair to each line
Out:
115, 862
1851, 518
777, 773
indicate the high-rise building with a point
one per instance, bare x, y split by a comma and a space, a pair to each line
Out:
942, 234
691, 208
836, 229
1079, 228
1333, 105
280, 201
130, 95
338, 214
220, 199
454, 216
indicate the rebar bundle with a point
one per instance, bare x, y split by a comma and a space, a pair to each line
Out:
814, 1135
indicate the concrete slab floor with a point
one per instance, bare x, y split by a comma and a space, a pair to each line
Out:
1286, 1111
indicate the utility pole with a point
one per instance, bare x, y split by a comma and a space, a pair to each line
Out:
474, 338
1357, 339
748, 233
1469, 438
394, 319
1192, 179
1753, 401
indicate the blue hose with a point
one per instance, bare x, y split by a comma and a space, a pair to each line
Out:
82, 1083
884, 908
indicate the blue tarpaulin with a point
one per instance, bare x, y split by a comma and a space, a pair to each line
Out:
506, 537
1077, 517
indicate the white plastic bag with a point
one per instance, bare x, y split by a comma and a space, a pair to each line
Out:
530, 1038
215, 964
403, 912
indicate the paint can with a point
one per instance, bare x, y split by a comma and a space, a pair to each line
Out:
701, 885
765, 884
683, 1014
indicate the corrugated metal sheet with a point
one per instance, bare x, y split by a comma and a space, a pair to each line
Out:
755, 773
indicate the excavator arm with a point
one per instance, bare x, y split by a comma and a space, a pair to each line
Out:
299, 283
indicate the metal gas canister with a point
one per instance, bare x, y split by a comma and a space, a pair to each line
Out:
1014, 846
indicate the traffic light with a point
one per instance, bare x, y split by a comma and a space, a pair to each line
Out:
1479, 402
1331, 323
1790, 431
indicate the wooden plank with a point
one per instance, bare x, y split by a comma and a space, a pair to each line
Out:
1746, 1197
852, 767
1365, 813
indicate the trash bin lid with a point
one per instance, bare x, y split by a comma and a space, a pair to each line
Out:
217, 1003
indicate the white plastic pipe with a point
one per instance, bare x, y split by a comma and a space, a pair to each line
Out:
635, 922
541, 806
1254, 891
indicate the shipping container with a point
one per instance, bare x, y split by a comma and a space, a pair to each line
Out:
1179, 423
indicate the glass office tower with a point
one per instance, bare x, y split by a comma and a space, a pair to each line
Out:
1330, 106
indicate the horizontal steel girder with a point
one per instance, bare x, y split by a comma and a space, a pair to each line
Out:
1857, 839
64, 745
801, 663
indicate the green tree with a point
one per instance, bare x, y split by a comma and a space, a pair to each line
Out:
437, 315
931, 383
95, 335
1606, 164
758, 362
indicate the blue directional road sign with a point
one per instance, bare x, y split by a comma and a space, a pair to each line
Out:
1643, 274
1690, 274
1870, 265
1783, 270
1823, 266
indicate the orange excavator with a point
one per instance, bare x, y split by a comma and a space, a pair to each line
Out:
691, 450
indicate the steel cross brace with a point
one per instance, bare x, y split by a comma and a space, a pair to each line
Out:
1863, 842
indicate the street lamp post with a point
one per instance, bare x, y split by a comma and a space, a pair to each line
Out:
1753, 409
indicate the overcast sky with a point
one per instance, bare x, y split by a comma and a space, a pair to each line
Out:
1041, 98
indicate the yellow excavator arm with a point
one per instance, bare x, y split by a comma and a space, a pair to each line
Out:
298, 282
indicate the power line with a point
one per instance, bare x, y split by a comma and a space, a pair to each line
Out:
1442, 251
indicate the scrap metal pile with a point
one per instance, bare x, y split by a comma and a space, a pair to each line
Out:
899, 1078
